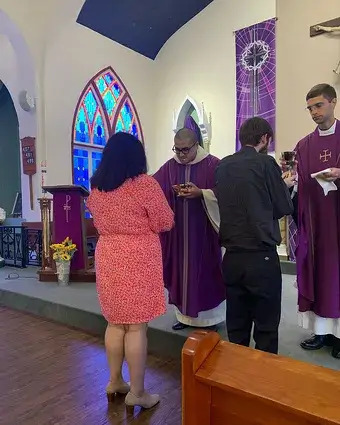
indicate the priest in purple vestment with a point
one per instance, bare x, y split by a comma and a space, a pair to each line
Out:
318, 251
191, 251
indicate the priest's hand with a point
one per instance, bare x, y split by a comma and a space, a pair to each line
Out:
190, 192
332, 175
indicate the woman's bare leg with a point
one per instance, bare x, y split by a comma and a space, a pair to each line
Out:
135, 343
114, 344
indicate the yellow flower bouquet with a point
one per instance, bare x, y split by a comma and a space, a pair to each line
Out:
63, 251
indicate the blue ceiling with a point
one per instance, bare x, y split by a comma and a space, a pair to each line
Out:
141, 25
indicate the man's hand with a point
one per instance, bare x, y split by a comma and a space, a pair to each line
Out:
190, 192
290, 180
333, 175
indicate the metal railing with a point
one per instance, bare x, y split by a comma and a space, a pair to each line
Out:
20, 246
33, 247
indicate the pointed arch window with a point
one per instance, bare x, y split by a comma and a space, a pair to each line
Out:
104, 108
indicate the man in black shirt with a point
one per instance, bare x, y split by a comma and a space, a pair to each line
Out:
252, 197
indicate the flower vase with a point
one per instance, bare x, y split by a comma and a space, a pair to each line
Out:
63, 272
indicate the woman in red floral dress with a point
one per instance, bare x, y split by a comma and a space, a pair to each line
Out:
129, 211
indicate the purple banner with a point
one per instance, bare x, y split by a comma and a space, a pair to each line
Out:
255, 74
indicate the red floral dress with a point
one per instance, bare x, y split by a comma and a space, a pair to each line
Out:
129, 269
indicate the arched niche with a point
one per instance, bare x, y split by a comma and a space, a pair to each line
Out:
18, 73
191, 110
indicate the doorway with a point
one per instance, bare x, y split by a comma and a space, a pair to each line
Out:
10, 168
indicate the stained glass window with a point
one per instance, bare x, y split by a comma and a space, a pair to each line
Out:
81, 167
82, 128
104, 108
96, 158
111, 92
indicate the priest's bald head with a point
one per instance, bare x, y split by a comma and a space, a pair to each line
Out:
321, 101
186, 145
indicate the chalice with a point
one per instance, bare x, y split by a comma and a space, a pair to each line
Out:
288, 157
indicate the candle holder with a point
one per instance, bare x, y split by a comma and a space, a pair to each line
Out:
45, 211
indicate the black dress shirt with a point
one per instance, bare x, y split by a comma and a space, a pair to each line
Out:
252, 197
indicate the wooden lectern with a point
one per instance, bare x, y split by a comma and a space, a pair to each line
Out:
69, 221
227, 384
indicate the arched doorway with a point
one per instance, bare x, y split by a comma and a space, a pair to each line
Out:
17, 72
10, 168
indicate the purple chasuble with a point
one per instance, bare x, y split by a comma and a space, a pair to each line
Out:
191, 251
318, 251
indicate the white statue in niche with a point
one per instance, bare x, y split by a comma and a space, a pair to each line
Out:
193, 117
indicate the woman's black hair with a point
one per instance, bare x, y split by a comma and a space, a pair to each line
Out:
123, 158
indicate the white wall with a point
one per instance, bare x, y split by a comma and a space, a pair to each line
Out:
302, 62
199, 61
17, 72
8, 66
67, 71
62, 56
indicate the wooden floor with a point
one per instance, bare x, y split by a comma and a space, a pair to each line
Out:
51, 375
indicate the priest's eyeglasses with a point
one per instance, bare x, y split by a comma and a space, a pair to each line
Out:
184, 151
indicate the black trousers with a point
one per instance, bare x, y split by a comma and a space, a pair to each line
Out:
254, 292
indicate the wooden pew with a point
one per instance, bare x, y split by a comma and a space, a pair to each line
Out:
226, 384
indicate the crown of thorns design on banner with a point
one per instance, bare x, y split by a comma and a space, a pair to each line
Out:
255, 55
